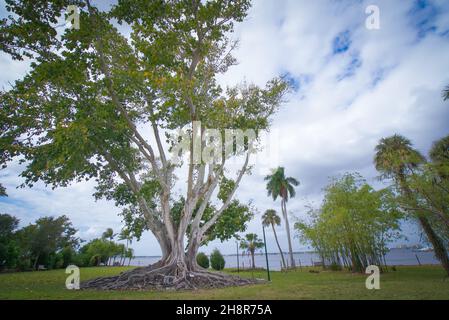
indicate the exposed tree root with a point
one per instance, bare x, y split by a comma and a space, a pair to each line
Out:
171, 276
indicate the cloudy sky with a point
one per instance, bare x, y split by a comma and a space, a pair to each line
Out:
353, 85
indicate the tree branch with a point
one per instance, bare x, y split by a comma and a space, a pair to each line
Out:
139, 140
226, 204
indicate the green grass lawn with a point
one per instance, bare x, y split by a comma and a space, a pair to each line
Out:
426, 282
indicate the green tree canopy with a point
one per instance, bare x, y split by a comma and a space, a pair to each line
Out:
250, 244
108, 234
9, 250
84, 109
396, 159
47, 236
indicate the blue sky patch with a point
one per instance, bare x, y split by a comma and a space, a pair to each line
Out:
297, 82
351, 68
341, 42
422, 17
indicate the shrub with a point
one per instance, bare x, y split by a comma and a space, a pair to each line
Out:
24, 264
335, 267
216, 260
203, 260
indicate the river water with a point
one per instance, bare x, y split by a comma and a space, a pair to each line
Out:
394, 257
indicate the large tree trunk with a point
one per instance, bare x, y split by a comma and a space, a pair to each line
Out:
279, 247
164, 242
177, 271
192, 251
287, 227
177, 268
434, 239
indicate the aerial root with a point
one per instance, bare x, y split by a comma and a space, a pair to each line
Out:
174, 276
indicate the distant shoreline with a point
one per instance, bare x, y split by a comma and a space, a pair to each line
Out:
286, 253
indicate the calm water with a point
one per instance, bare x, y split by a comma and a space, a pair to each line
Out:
394, 257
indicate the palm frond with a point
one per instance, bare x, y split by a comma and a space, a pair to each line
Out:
293, 181
291, 191
446, 93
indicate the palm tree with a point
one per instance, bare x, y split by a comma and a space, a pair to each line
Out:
2, 191
439, 154
250, 244
440, 150
126, 234
129, 254
108, 234
395, 158
281, 186
270, 218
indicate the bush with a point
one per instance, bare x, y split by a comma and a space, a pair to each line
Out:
80, 260
24, 264
203, 260
67, 256
216, 260
335, 267
9, 254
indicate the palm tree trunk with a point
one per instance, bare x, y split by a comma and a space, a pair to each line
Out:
438, 246
35, 262
434, 239
287, 227
279, 247
252, 258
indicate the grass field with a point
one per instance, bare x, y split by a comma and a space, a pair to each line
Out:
425, 282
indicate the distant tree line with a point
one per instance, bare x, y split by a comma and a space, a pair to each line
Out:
51, 243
